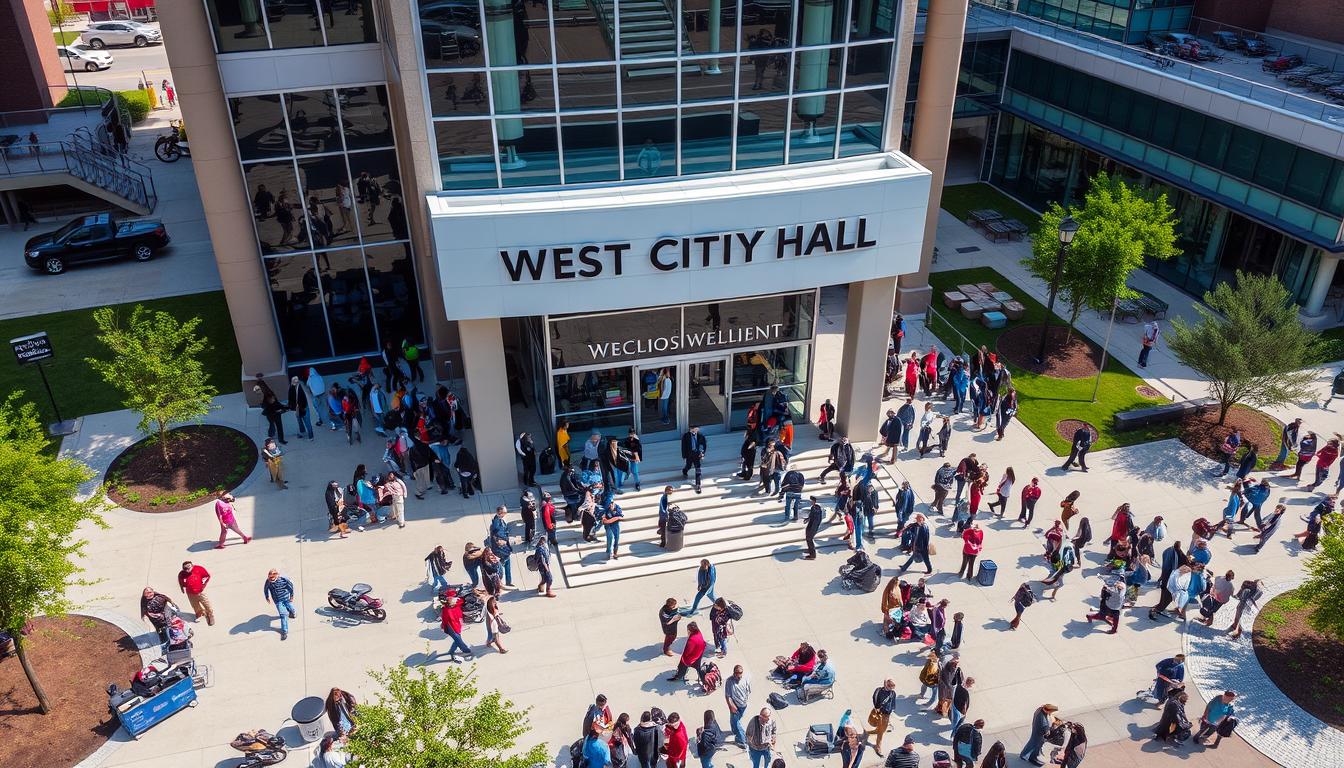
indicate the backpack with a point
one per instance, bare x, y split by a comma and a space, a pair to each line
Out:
776, 701
941, 759
710, 677
1028, 597
657, 716
548, 461
576, 754
531, 562
734, 611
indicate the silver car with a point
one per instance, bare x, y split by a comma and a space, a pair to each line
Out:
105, 33
78, 57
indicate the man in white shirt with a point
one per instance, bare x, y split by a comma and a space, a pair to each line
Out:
1150, 334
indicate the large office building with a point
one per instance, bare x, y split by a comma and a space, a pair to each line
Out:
566, 202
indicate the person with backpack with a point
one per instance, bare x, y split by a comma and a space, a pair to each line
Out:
791, 490
1023, 599
968, 470
541, 557
621, 741
499, 542
966, 743
647, 741
1174, 724
1065, 561
826, 421
708, 739
928, 679
942, 485
571, 490
890, 432
436, 567
548, 522
841, 459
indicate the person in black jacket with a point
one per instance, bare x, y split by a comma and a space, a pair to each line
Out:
467, 471
1082, 443
842, 459
300, 402
891, 436
526, 449
571, 489
648, 740
693, 447
919, 545
748, 454
966, 742
422, 463
271, 408
813, 524
827, 421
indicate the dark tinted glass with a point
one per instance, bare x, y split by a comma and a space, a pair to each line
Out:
450, 32
396, 300
1334, 190
579, 35
292, 23
864, 114
706, 139
648, 28
821, 22
707, 79
378, 195
868, 65
817, 70
703, 32
365, 118
1271, 172
650, 143
591, 149
458, 94
259, 125
532, 36
1242, 152
771, 319
523, 90
764, 73
643, 84
528, 151
760, 133
297, 299
1213, 145
1309, 176
466, 154
312, 122
346, 293
349, 21
1189, 129
328, 201
766, 24
812, 136
276, 207
872, 19
587, 87
237, 25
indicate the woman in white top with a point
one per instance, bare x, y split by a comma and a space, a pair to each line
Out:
493, 621
1178, 584
1004, 491
330, 754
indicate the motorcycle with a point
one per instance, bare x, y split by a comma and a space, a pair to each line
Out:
172, 145
357, 601
259, 747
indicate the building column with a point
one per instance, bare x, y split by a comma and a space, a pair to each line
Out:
488, 401
940, 66
1325, 275
219, 177
863, 362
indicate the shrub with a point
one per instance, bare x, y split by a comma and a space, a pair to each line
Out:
59, 13
136, 102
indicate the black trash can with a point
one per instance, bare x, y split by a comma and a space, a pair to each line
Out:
676, 529
988, 570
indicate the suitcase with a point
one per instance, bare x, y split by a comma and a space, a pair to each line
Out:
941, 759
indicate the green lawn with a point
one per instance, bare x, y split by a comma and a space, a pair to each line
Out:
65, 38
964, 198
78, 390
1335, 343
1043, 400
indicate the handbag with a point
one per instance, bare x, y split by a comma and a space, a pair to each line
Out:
933, 550
875, 717
504, 627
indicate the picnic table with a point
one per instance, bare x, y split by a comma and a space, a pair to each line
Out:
998, 230
983, 216
1016, 226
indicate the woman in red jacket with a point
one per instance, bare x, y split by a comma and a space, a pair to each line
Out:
1121, 521
691, 654
451, 623
973, 540
911, 374
675, 739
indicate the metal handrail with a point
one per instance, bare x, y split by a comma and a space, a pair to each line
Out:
123, 177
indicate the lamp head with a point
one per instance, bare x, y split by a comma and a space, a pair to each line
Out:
1067, 229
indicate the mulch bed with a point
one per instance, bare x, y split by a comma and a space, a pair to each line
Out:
1147, 391
1203, 433
75, 657
1067, 427
1077, 360
1305, 664
206, 458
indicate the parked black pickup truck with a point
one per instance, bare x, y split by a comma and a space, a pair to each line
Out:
94, 238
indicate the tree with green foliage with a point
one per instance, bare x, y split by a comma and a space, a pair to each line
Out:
156, 363
40, 510
424, 719
60, 14
1323, 588
1119, 227
1250, 344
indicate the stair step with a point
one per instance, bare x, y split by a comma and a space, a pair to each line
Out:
659, 70
666, 36
628, 25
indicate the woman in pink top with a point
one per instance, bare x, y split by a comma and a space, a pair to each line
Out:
227, 522
973, 539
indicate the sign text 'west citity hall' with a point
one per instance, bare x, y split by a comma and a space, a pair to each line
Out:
667, 254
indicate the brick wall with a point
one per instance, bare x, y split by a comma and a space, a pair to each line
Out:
1321, 19
1247, 14
33, 76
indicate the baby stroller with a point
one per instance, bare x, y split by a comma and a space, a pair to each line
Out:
259, 747
859, 572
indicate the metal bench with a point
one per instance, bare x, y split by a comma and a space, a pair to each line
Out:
1159, 414
1152, 305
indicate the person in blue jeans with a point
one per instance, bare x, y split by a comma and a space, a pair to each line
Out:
280, 591
737, 691
611, 523
704, 585
499, 542
761, 739
436, 566
791, 489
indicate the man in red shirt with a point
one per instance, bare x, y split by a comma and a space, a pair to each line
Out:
192, 580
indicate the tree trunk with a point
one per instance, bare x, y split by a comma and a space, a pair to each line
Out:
1223, 408
163, 444
42, 703
1073, 319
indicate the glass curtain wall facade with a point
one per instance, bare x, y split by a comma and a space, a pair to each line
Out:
534, 94
979, 81
257, 25
1124, 20
327, 204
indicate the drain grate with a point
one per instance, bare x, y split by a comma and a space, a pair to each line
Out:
968, 249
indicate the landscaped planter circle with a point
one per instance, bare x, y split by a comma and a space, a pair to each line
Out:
1066, 428
1075, 360
206, 459
1306, 665
1203, 434
1147, 391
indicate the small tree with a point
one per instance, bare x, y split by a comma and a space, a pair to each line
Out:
1118, 228
1249, 343
60, 14
156, 365
1323, 588
39, 514
424, 719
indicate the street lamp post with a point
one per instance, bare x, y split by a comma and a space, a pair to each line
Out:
1067, 229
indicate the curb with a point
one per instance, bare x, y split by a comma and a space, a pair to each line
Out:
148, 652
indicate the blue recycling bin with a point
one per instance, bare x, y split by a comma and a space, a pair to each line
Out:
988, 570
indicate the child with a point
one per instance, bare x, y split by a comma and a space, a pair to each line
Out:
842, 494
957, 622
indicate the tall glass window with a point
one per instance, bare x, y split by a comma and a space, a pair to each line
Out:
251, 25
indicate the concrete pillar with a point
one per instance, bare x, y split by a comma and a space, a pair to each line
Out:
1325, 275
939, 66
488, 400
863, 363
228, 211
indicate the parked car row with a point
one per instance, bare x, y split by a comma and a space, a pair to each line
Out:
104, 33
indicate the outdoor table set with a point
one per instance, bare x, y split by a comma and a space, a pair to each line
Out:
984, 302
995, 226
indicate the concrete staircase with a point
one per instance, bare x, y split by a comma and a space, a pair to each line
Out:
727, 522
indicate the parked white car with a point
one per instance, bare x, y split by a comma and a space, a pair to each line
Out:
78, 57
105, 33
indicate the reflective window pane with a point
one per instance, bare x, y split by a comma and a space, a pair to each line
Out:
587, 87
276, 207
532, 35
760, 133
707, 79
466, 154
650, 143
766, 24
297, 300
528, 152
378, 196
590, 145
706, 139
346, 293
648, 85
868, 65
237, 24
523, 91
648, 28
821, 22
349, 21
259, 126
365, 118
864, 114
462, 93
328, 201
312, 122
591, 391
396, 299
763, 74
293, 23
450, 33
812, 134
817, 70
705, 32
579, 34
872, 19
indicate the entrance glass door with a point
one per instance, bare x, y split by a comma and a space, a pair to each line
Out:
659, 391
706, 398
